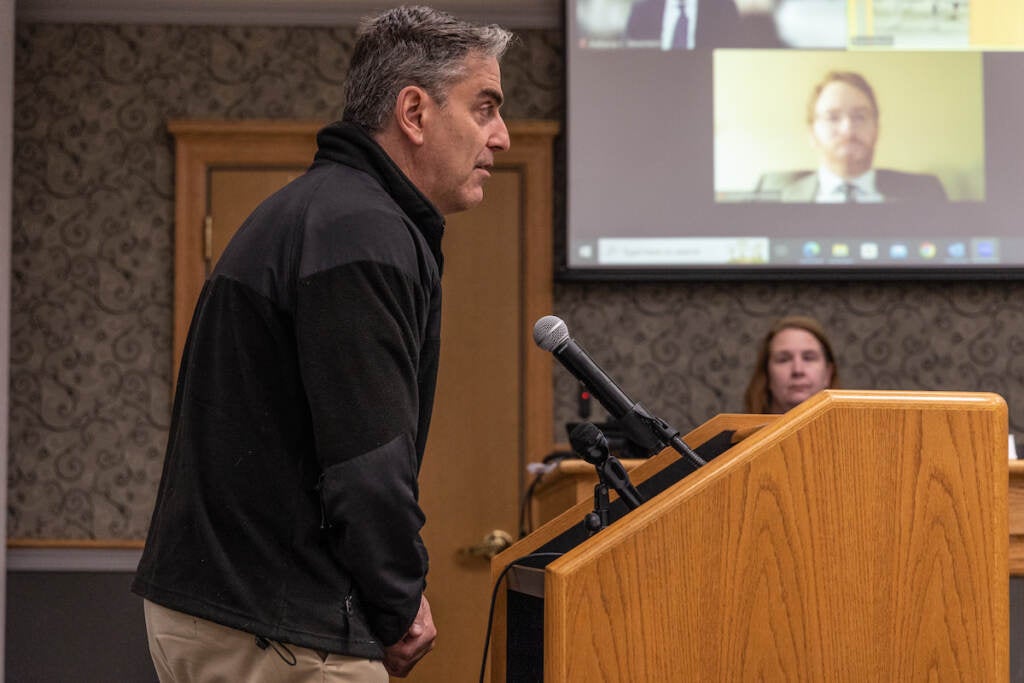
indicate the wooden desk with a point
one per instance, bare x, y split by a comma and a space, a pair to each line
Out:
1015, 506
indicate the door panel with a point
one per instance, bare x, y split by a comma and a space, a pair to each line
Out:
234, 193
470, 479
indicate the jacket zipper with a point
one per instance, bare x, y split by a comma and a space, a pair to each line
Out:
324, 524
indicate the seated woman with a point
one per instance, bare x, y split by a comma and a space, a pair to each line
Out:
794, 363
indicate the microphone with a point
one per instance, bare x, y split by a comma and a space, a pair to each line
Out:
551, 334
590, 443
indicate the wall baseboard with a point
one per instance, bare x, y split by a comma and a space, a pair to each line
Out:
73, 559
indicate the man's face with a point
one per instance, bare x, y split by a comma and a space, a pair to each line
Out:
462, 137
845, 129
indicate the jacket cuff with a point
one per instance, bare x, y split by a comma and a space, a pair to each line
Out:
391, 628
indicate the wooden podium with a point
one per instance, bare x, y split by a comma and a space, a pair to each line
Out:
860, 537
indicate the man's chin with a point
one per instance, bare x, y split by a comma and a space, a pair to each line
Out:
475, 196
854, 164
464, 202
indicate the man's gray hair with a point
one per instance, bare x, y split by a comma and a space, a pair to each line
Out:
411, 46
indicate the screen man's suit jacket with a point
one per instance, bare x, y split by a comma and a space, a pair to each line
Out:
894, 186
718, 22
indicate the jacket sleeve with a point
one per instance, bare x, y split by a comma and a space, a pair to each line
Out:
359, 330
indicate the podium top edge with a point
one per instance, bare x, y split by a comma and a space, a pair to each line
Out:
960, 399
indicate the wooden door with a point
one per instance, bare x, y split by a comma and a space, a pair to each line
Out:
470, 480
234, 193
493, 411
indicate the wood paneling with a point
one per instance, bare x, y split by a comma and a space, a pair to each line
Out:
860, 537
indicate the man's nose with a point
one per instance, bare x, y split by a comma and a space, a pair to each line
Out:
500, 140
845, 126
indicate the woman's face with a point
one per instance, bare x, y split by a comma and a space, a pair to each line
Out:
797, 368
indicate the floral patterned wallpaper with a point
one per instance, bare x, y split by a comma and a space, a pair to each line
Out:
687, 350
92, 268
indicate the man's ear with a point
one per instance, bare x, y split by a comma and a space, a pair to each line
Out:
410, 109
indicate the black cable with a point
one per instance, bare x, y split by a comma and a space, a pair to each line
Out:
263, 643
525, 512
525, 509
494, 598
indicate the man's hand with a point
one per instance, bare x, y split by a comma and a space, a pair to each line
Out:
400, 658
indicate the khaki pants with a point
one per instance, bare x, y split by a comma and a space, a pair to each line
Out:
189, 649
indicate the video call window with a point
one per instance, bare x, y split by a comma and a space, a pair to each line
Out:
803, 24
708, 24
794, 135
811, 120
936, 24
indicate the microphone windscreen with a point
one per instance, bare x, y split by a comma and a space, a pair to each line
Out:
589, 443
584, 436
550, 332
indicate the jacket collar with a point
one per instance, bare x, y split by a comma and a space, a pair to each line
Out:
349, 144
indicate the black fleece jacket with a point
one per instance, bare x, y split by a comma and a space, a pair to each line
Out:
288, 505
